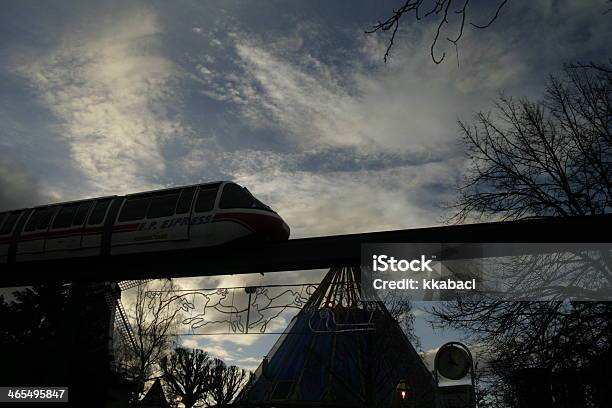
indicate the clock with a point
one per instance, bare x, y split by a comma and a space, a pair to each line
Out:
453, 362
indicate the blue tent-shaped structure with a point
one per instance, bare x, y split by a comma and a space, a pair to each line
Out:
341, 351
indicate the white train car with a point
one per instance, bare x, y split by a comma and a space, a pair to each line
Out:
192, 216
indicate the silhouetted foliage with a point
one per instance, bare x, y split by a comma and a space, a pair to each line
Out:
29, 330
226, 382
186, 373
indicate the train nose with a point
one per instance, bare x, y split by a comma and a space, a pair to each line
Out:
286, 230
275, 229
279, 230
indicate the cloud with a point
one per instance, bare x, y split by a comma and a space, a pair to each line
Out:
336, 202
232, 340
361, 146
112, 91
18, 188
190, 343
233, 357
360, 149
407, 108
227, 352
214, 350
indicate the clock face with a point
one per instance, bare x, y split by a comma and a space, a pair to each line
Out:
453, 362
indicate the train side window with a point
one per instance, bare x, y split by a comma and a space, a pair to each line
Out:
81, 213
2, 217
184, 203
31, 225
163, 205
99, 211
135, 208
46, 214
65, 216
9, 223
206, 198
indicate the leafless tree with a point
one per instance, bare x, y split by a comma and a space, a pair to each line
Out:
438, 10
187, 374
555, 336
154, 323
547, 158
400, 309
226, 382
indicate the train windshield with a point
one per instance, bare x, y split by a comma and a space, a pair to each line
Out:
235, 196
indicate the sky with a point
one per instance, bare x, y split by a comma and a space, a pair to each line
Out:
289, 98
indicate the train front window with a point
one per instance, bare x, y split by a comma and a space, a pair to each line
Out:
99, 211
163, 205
65, 216
258, 204
135, 209
206, 198
235, 196
10, 222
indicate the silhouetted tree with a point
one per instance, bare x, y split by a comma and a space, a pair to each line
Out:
547, 158
187, 375
226, 382
29, 327
154, 323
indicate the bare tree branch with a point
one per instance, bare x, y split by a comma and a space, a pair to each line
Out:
501, 5
550, 158
226, 382
547, 158
154, 323
440, 12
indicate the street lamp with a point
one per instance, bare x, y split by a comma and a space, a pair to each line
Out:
403, 390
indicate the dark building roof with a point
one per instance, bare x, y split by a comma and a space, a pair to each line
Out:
155, 397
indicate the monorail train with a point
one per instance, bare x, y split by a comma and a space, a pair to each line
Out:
200, 215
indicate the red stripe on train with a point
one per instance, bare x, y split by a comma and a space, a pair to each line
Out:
259, 223
71, 232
